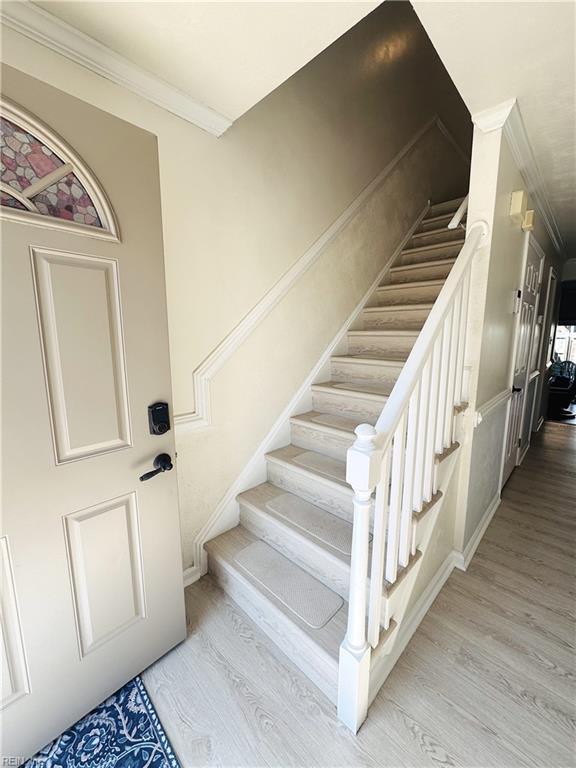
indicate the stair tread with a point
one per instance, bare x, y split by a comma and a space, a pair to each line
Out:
413, 284
441, 216
424, 265
447, 452
360, 388
328, 421
229, 545
374, 357
449, 206
433, 232
325, 530
384, 332
427, 506
315, 463
399, 307
433, 247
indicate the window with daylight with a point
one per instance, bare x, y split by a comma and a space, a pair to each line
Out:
40, 175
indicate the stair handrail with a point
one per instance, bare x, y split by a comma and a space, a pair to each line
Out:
406, 381
397, 461
459, 215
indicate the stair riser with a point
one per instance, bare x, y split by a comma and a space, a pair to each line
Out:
404, 319
449, 207
368, 373
329, 569
422, 257
328, 496
405, 294
320, 441
430, 223
392, 345
424, 272
436, 237
315, 664
341, 405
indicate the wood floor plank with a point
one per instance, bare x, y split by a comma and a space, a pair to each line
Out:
488, 680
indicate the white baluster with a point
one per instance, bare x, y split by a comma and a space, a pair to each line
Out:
378, 545
397, 482
408, 489
430, 454
450, 396
418, 497
442, 387
363, 464
460, 395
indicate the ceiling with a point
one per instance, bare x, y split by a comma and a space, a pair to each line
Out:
495, 51
224, 55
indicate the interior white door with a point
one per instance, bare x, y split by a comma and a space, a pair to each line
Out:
523, 348
91, 589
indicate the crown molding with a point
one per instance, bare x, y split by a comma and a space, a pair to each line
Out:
525, 159
44, 28
493, 118
508, 118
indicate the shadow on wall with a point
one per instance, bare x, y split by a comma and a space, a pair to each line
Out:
278, 179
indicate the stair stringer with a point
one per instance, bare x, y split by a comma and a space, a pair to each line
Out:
432, 570
227, 514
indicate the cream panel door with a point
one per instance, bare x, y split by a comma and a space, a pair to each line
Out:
520, 402
91, 570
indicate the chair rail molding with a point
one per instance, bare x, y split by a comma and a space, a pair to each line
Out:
201, 417
490, 405
47, 30
507, 116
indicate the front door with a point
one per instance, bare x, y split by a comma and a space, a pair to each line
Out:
91, 571
523, 345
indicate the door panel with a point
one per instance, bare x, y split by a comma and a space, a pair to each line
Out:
108, 591
96, 556
78, 302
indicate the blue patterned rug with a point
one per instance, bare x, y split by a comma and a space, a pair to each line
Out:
123, 732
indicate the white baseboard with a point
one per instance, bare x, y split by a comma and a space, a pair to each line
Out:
539, 425
191, 575
463, 558
383, 665
202, 376
226, 514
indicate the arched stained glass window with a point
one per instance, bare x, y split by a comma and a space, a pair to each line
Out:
40, 175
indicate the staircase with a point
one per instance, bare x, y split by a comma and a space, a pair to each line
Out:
290, 563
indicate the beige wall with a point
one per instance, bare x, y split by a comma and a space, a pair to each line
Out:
239, 211
569, 270
504, 277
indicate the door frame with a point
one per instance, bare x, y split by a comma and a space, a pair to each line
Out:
546, 342
532, 374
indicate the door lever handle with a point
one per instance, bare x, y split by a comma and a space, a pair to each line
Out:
162, 463
516, 389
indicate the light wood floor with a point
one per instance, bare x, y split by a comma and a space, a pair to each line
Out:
487, 680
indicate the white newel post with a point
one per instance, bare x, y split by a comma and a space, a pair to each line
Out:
362, 472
